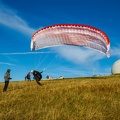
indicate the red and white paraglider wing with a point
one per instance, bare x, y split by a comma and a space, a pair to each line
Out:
71, 34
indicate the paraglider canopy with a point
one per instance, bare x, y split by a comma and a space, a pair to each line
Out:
71, 34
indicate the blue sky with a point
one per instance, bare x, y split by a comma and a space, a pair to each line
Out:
20, 19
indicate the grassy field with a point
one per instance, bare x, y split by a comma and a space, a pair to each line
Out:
96, 98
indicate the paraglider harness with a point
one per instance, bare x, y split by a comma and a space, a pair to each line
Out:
37, 75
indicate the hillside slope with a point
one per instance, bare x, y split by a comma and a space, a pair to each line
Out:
68, 99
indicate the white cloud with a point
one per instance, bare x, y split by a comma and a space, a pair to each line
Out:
79, 55
9, 18
115, 51
4, 63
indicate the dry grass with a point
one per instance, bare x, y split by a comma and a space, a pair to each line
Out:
68, 99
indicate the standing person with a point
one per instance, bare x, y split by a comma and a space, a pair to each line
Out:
37, 76
7, 78
28, 76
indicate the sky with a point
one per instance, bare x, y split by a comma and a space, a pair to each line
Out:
20, 19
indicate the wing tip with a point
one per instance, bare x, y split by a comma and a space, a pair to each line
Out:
108, 50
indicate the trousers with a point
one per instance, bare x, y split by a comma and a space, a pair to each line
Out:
5, 86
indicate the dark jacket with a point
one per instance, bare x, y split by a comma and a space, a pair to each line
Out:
28, 76
37, 75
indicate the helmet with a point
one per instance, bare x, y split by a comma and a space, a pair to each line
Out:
32, 71
8, 70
